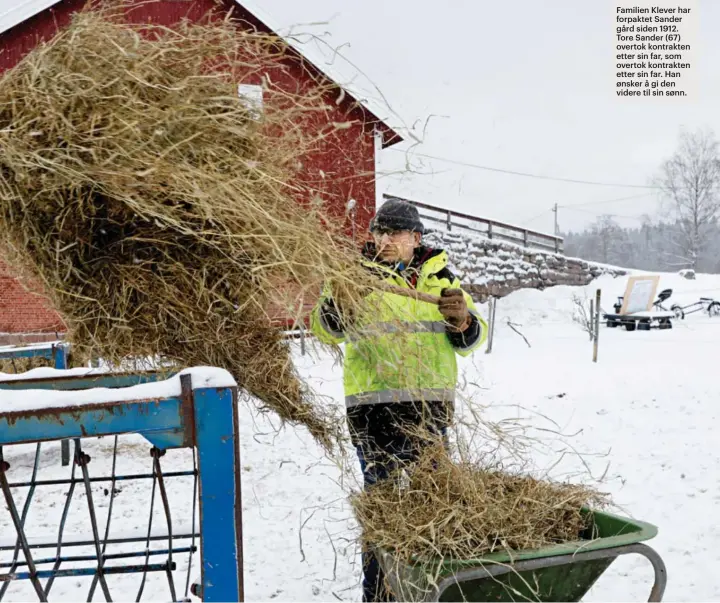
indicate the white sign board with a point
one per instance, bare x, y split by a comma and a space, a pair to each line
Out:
639, 294
252, 97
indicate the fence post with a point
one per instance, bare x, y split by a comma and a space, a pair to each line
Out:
302, 339
525, 237
449, 221
218, 444
490, 230
492, 302
592, 320
597, 325
60, 358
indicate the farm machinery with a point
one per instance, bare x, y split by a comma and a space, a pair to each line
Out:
705, 304
659, 317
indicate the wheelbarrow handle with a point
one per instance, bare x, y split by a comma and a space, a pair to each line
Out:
656, 594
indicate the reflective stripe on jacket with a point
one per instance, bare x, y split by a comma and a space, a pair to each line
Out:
399, 349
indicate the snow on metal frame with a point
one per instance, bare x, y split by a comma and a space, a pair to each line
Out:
38, 399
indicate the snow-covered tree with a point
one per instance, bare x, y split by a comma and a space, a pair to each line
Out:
690, 185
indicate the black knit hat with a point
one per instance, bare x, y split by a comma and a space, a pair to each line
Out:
397, 214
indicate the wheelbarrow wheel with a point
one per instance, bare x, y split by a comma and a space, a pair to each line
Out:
714, 309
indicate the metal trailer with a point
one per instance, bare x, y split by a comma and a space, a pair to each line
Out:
642, 321
658, 318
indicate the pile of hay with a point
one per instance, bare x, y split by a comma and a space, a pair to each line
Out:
14, 366
160, 212
462, 510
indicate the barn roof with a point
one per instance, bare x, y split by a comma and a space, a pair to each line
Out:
20, 11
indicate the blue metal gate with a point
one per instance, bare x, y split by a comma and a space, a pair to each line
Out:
58, 353
193, 409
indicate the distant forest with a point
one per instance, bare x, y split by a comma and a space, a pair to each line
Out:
652, 246
686, 231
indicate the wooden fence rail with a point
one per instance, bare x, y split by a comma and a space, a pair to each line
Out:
448, 220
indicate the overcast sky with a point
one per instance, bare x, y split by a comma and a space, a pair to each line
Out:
518, 85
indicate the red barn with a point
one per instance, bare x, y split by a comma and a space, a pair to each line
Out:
341, 176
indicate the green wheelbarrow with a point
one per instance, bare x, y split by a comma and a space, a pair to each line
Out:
563, 572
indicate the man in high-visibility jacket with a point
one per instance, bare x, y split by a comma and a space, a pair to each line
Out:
400, 367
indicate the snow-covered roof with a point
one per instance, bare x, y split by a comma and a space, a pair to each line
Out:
13, 13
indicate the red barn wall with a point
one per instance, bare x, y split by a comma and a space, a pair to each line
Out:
342, 169
22, 311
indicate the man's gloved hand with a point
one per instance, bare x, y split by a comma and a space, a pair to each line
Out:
454, 309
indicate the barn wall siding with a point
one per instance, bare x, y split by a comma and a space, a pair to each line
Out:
22, 311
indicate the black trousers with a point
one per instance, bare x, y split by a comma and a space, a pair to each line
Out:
382, 435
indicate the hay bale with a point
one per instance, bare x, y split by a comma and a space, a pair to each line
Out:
158, 210
463, 510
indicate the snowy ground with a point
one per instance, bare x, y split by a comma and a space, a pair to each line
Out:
645, 415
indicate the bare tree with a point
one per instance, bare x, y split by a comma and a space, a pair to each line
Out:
583, 315
690, 185
606, 230
609, 240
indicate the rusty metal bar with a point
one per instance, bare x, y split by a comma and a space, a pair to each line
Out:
156, 453
118, 478
109, 380
61, 529
147, 541
83, 459
76, 558
110, 418
84, 571
19, 522
93, 585
84, 543
4, 466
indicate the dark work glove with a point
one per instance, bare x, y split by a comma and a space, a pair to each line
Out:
335, 317
454, 309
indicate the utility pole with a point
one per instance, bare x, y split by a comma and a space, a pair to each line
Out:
555, 211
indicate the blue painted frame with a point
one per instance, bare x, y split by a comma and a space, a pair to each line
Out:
58, 353
206, 418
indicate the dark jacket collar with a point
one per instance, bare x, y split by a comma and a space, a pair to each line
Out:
422, 254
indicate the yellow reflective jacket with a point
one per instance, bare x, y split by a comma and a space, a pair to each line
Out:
399, 349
